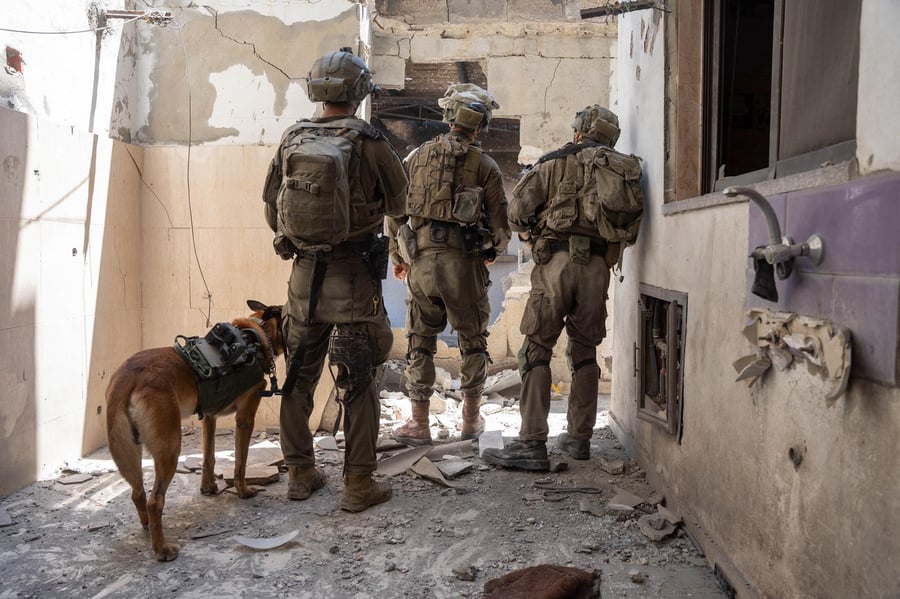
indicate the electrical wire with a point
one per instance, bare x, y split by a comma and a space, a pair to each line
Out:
187, 74
93, 30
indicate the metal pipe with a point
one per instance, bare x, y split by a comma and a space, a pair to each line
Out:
764, 205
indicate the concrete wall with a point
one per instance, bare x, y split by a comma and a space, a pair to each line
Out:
112, 247
71, 292
826, 527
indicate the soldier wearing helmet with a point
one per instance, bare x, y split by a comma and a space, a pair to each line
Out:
559, 209
334, 287
454, 226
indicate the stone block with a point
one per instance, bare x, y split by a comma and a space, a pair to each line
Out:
415, 11
536, 10
477, 11
389, 71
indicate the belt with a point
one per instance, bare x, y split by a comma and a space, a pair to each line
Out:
598, 247
347, 249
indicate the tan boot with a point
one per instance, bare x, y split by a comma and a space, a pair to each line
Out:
415, 431
361, 492
472, 422
303, 480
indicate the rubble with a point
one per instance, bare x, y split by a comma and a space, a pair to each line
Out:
432, 539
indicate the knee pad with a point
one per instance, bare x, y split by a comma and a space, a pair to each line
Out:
532, 355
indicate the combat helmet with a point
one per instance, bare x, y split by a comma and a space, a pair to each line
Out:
339, 77
468, 105
597, 124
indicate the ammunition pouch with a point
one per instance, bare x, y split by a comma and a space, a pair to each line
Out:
439, 232
406, 243
377, 258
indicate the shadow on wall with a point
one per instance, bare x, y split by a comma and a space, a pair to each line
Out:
18, 407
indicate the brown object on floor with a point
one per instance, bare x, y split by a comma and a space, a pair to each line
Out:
545, 581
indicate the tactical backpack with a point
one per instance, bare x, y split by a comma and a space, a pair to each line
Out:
314, 200
226, 362
600, 193
445, 186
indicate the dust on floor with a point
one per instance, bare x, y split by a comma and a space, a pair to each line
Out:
428, 541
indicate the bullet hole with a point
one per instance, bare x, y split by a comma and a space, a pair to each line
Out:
13, 59
74, 251
99, 410
795, 455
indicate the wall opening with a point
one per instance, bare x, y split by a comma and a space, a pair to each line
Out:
659, 357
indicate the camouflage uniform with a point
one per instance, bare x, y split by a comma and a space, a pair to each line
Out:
447, 282
351, 296
558, 206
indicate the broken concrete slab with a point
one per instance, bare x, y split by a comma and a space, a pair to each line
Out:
623, 497
265, 453
462, 449
401, 462
5, 518
591, 506
453, 468
669, 515
74, 479
192, 463
502, 381
426, 469
327, 443
255, 474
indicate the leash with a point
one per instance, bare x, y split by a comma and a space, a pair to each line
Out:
315, 290
553, 492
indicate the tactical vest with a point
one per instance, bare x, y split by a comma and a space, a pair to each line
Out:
444, 181
226, 362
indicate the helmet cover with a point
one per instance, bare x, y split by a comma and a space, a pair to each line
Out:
597, 124
339, 76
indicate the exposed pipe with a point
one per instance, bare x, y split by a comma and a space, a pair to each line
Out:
764, 205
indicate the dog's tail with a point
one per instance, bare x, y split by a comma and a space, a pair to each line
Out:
122, 435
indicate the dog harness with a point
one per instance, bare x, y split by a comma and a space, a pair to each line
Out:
226, 362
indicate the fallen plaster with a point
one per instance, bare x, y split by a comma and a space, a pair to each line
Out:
432, 539
783, 339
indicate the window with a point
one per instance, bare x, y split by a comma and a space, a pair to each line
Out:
659, 357
776, 83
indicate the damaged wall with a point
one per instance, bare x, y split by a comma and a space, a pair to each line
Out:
788, 493
110, 247
542, 63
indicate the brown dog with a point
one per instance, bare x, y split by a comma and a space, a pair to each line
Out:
146, 399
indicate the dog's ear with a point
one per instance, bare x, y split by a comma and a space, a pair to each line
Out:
272, 312
255, 305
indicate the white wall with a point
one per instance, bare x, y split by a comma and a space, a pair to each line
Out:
877, 122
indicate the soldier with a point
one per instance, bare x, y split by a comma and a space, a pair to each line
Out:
328, 188
454, 227
559, 208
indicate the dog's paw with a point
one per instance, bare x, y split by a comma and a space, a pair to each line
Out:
168, 553
248, 492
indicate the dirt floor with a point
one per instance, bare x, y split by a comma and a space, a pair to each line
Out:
64, 538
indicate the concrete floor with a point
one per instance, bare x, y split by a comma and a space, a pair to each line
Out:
428, 541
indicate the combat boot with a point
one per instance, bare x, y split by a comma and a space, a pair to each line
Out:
361, 492
415, 431
303, 480
525, 455
472, 422
578, 449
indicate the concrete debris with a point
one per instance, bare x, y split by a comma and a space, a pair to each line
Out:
637, 576
502, 381
624, 499
255, 475
465, 573
655, 526
401, 462
592, 506
612, 466
265, 544
453, 468
669, 515
327, 443
5, 518
74, 479
459, 449
426, 469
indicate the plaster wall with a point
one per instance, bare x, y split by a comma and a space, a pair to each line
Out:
822, 528
70, 300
